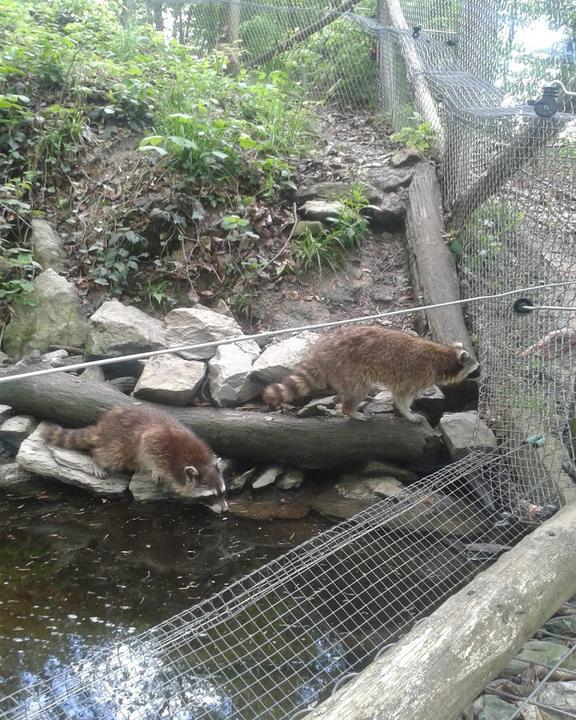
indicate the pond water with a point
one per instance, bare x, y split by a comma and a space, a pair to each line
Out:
78, 572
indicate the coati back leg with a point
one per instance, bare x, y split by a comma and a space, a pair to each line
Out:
403, 403
350, 401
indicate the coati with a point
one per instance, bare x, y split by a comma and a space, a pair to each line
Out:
232, 66
353, 359
143, 438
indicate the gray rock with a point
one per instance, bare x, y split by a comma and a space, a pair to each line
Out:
93, 374
170, 379
191, 326
228, 373
389, 179
562, 625
125, 384
5, 412
539, 652
338, 191
117, 329
267, 477
4, 359
560, 695
334, 506
53, 319
380, 468
390, 212
314, 227
352, 487
292, 479
407, 157
47, 246
279, 358
221, 307
55, 358
68, 466
490, 707
464, 432
239, 482
321, 209
16, 429
381, 403
12, 475
319, 407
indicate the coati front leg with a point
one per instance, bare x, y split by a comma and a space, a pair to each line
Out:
99, 463
403, 404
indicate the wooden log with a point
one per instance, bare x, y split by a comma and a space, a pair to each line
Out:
416, 72
267, 437
443, 663
431, 262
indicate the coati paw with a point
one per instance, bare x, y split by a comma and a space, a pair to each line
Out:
100, 473
359, 416
415, 418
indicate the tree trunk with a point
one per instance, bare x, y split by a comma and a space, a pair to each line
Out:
266, 437
441, 665
433, 272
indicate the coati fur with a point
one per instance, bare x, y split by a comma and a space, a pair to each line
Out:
144, 438
353, 359
232, 66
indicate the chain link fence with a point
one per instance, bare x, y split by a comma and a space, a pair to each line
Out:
275, 643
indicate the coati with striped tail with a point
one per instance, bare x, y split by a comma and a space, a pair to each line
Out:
353, 359
144, 438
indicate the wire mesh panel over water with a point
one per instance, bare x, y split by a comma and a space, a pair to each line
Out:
276, 641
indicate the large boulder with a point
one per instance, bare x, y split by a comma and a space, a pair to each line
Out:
228, 373
68, 466
117, 329
49, 315
197, 325
281, 357
16, 429
47, 246
464, 432
171, 380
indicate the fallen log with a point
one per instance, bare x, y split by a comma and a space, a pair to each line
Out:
266, 437
432, 266
444, 663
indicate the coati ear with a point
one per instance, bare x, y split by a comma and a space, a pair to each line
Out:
463, 356
191, 473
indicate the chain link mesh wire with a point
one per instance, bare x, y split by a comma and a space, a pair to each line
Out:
276, 642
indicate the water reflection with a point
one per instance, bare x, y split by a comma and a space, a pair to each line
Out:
78, 573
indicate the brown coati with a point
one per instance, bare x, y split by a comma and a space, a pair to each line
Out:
143, 438
353, 359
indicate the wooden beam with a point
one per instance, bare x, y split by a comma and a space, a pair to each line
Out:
259, 436
444, 663
434, 275
415, 67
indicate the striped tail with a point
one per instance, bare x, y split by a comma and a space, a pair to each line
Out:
300, 383
83, 439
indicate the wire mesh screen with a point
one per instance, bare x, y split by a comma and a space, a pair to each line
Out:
278, 641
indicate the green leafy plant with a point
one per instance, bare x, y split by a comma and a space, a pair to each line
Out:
122, 257
17, 269
418, 136
330, 247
